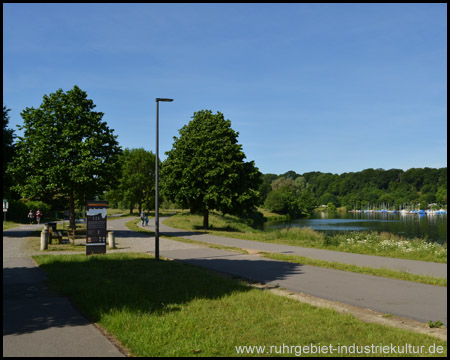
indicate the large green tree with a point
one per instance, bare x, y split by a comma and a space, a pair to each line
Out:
205, 169
290, 197
7, 150
66, 150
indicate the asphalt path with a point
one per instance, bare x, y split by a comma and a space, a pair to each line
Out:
411, 266
412, 300
37, 322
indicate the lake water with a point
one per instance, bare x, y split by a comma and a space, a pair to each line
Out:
434, 227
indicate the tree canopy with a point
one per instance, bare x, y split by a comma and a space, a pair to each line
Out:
205, 169
67, 151
137, 179
393, 188
7, 150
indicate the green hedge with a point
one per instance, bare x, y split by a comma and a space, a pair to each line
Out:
18, 210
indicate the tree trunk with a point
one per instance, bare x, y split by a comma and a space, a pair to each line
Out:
206, 220
72, 215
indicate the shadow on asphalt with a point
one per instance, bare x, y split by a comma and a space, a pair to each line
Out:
29, 306
263, 270
21, 233
182, 233
131, 234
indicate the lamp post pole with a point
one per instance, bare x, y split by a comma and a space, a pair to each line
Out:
157, 178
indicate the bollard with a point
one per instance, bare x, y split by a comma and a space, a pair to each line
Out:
111, 240
44, 238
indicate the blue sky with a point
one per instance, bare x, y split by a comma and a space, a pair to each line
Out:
309, 87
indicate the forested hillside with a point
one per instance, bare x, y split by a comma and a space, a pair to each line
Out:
298, 194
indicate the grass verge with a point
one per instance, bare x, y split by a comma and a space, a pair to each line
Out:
369, 243
384, 272
165, 308
133, 225
10, 225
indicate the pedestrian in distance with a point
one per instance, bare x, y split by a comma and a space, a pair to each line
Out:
31, 217
142, 218
38, 216
146, 219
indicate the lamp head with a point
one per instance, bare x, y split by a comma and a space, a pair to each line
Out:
163, 99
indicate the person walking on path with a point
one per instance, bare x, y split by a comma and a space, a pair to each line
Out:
142, 218
146, 219
31, 217
38, 216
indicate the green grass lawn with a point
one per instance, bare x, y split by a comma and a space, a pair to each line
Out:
166, 308
10, 225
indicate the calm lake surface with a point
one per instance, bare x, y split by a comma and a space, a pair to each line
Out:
433, 227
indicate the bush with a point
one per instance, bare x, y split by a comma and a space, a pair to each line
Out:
331, 241
18, 210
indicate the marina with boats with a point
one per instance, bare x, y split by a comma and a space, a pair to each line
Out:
405, 211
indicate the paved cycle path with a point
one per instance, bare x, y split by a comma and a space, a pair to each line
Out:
417, 301
411, 266
37, 322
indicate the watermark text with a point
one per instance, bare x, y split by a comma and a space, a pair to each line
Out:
354, 349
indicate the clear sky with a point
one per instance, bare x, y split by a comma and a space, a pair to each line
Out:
309, 87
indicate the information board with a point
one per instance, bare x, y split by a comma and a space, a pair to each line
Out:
96, 229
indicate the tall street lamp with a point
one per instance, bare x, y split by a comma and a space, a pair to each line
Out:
157, 178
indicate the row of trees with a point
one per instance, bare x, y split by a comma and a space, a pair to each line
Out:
204, 171
395, 188
68, 155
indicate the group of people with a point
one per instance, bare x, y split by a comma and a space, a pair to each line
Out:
32, 215
38, 215
144, 219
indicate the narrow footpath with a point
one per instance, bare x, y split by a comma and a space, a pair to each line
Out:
36, 321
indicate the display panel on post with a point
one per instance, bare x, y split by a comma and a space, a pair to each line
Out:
96, 229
